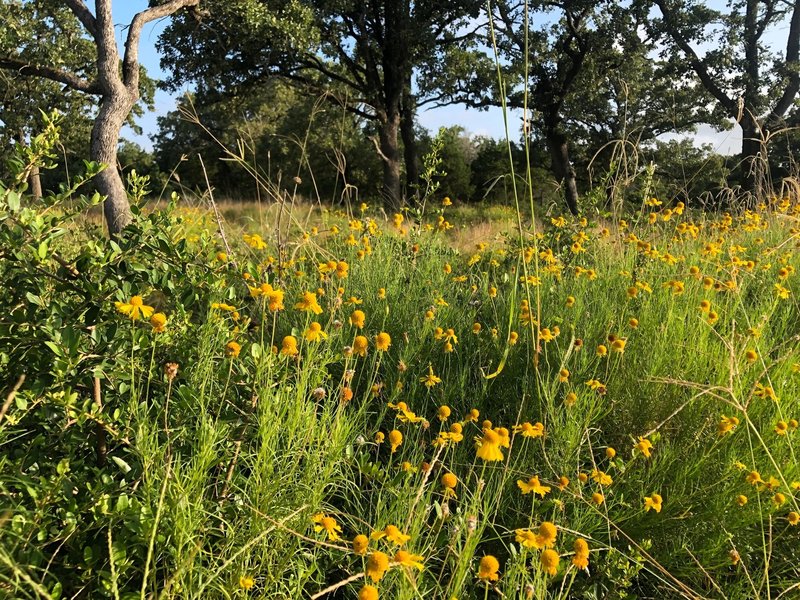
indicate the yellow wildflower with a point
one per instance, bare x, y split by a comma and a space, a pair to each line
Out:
328, 525
489, 448
549, 560
391, 533
382, 341
360, 543
533, 485
654, 501
395, 439
487, 570
159, 322
368, 592
377, 565
407, 559
581, 557
314, 333
135, 308
308, 302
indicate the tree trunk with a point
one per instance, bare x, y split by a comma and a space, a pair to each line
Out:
36, 183
562, 167
34, 179
753, 159
390, 154
114, 110
410, 149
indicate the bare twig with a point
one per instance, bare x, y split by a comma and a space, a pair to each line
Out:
101, 443
11, 395
216, 211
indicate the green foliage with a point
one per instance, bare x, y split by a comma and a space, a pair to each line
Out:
278, 133
70, 491
458, 153
48, 33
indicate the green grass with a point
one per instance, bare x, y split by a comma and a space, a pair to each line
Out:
216, 475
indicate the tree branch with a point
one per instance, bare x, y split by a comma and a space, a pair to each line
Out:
84, 15
130, 64
697, 64
67, 78
793, 63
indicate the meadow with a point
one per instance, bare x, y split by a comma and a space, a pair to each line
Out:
339, 403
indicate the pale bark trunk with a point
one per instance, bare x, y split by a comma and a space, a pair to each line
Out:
105, 138
34, 179
36, 183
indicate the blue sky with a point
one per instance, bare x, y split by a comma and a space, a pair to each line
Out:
489, 123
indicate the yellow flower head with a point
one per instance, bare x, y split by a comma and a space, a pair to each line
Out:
393, 534
328, 525
529, 430
602, 478
246, 582
653, 502
395, 439
430, 379
232, 349
546, 537
360, 344
368, 592
314, 333
382, 341
289, 346
308, 302
357, 319
443, 413
754, 478
449, 481
727, 424
487, 570
489, 446
377, 565
406, 559
549, 560
159, 322
360, 543
581, 556
533, 485
644, 446
135, 308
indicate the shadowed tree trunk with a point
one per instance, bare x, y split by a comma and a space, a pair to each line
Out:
558, 146
117, 89
752, 160
410, 148
389, 151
